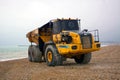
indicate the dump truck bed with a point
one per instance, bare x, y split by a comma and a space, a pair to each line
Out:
43, 34
33, 36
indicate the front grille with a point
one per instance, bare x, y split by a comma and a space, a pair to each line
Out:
86, 41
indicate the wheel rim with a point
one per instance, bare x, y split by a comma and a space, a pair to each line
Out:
49, 56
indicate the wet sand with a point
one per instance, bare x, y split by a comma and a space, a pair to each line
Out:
105, 65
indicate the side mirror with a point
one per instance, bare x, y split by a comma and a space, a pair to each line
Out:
85, 30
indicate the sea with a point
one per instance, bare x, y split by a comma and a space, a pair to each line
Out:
21, 51
13, 52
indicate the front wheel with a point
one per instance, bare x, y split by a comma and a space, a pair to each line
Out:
83, 59
52, 56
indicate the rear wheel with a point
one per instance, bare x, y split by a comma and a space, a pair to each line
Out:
52, 56
34, 54
30, 53
83, 59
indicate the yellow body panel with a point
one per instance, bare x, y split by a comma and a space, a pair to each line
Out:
75, 37
66, 49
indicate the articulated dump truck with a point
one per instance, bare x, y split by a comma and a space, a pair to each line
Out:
60, 39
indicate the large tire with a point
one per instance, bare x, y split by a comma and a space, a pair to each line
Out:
34, 54
52, 56
30, 53
83, 59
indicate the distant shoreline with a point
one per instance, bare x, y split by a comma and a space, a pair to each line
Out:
12, 59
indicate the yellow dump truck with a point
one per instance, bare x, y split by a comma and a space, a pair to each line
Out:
60, 39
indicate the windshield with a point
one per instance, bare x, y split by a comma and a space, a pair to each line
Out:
69, 25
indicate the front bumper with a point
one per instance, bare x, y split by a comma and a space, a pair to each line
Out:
64, 49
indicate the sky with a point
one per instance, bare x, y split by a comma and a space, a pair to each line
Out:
18, 17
